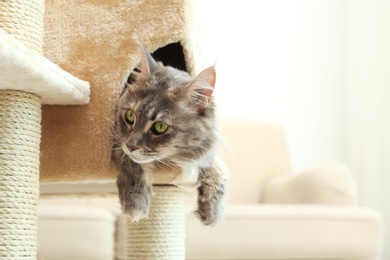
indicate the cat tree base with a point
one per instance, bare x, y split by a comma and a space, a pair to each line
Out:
162, 235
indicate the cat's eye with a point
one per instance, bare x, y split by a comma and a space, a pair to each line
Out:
130, 117
159, 128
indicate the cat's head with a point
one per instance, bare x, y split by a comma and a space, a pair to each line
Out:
164, 115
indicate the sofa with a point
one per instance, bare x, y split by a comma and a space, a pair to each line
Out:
270, 213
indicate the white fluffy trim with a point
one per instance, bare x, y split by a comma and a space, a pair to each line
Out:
24, 69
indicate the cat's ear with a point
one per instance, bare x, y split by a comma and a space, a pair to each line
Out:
145, 67
142, 72
147, 63
201, 88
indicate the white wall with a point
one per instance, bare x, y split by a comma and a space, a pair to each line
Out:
320, 68
368, 104
282, 61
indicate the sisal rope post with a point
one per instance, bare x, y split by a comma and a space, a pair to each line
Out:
20, 136
20, 130
24, 20
162, 235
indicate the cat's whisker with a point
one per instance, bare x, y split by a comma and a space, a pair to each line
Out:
129, 94
123, 160
169, 164
114, 137
109, 120
183, 159
161, 168
186, 159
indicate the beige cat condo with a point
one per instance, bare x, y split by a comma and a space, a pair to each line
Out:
95, 42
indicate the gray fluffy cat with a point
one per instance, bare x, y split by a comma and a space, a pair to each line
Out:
165, 119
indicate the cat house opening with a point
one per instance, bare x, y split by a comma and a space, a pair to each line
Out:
172, 55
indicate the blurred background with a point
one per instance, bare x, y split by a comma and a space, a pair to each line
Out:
320, 69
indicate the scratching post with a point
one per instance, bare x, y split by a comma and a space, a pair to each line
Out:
24, 20
20, 130
20, 136
162, 235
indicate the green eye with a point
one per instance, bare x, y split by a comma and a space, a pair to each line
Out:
159, 128
130, 117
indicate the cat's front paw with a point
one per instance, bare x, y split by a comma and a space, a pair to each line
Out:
137, 207
210, 205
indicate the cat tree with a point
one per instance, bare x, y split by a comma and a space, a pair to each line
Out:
27, 80
96, 42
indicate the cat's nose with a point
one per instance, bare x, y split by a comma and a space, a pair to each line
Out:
132, 148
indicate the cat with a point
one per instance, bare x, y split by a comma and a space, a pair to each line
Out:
165, 118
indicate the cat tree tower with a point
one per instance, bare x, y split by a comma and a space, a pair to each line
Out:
94, 41
27, 80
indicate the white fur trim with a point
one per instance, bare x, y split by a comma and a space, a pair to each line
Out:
24, 69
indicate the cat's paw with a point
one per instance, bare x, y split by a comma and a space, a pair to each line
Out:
135, 214
209, 217
210, 205
136, 208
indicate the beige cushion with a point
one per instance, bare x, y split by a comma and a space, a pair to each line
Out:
254, 152
287, 232
75, 232
330, 184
